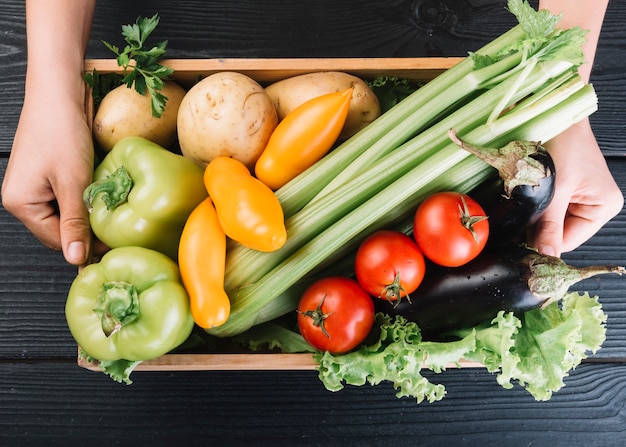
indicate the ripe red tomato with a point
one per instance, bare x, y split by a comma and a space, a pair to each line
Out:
450, 228
335, 314
389, 265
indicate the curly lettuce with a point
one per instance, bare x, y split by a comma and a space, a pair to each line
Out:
535, 350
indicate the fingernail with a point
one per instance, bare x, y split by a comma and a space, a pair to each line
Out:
76, 252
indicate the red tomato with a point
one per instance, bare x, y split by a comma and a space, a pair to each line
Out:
450, 228
389, 265
335, 314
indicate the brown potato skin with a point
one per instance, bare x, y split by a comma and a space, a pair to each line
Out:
225, 114
125, 113
289, 93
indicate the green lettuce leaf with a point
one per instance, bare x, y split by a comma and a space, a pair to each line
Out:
398, 357
555, 341
536, 351
270, 336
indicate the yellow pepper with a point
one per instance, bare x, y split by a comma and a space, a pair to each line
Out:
202, 259
248, 210
303, 137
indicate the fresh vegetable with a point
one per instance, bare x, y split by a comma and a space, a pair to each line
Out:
247, 209
201, 259
140, 63
522, 191
335, 203
335, 314
390, 90
130, 305
450, 228
225, 114
124, 112
288, 94
511, 279
389, 265
302, 138
536, 349
142, 195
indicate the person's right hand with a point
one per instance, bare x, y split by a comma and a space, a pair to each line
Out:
51, 163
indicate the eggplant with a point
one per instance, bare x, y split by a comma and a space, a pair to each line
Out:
524, 187
510, 278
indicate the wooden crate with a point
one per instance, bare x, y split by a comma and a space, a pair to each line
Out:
188, 71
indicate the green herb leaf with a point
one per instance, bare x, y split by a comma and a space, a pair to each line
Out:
101, 84
390, 90
140, 63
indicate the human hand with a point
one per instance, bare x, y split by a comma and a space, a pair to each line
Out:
51, 163
586, 195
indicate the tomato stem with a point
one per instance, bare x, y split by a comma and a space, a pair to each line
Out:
117, 305
114, 188
318, 316
395, 289
469, 221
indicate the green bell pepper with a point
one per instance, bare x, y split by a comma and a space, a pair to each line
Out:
146, 192
131, 305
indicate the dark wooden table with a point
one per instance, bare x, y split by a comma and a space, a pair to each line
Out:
45, 398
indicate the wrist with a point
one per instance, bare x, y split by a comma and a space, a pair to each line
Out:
54, 88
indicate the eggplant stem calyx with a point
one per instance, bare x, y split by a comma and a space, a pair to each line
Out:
551, 277
514, 162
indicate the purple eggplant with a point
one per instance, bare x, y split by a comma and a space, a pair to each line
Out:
515, 199
507, 278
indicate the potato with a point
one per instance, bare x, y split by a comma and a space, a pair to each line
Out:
225, 114
125, 113
289, 93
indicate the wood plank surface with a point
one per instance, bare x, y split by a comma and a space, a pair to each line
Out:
61, 404
47, 399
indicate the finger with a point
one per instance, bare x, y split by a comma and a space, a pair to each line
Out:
585, 220
74, 229
42, 220
38, 213
577, 230
547, 233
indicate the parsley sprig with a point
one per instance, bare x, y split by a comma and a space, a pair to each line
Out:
141, 63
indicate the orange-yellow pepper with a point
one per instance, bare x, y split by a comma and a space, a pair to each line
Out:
202, 260
248, 210
303, 137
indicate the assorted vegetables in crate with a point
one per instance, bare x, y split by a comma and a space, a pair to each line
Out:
383, 246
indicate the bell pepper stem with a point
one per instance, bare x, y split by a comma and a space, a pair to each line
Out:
117, 306
114, 188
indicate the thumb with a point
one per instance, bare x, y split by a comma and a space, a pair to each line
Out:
546, 235
75, 230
